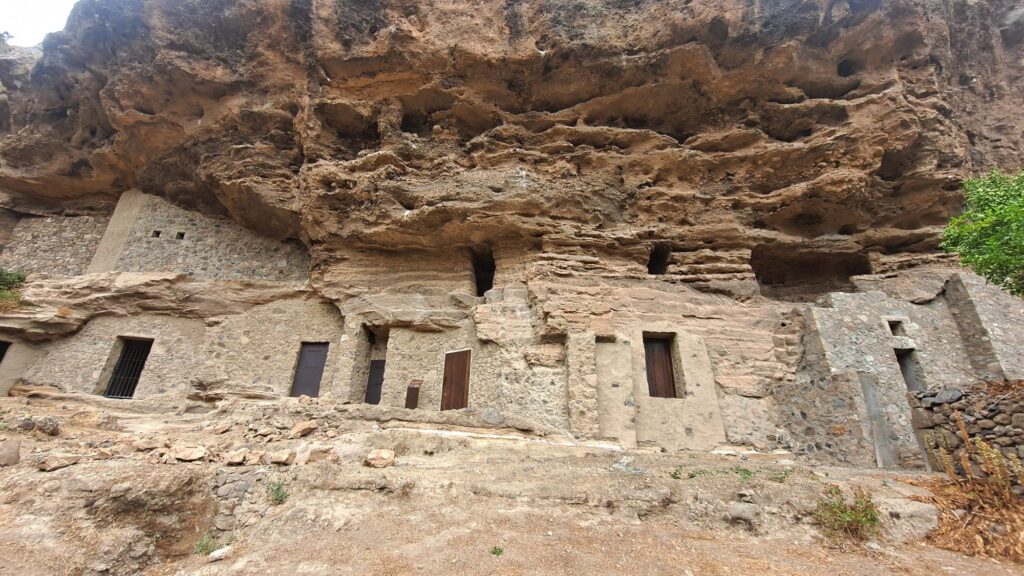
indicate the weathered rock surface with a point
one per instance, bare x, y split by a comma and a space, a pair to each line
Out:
10, 452
812, 127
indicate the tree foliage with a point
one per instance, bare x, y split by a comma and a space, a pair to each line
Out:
989, 235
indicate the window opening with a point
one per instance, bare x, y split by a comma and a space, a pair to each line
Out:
896, 328
125, 378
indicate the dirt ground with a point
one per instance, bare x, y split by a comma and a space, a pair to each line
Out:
456, 501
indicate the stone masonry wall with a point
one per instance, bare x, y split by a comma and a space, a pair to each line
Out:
54, 245
996, 418
167, 238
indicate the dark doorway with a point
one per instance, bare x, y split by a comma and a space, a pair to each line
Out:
3, 349
128, 369
483, 270
658, 262
909, 368
310, 369
375, 382
661, 380
455, 386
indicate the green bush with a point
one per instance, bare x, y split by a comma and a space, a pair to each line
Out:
840, 518
278, 494
989, 235
9, 281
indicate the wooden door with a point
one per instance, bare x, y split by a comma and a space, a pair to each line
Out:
310, 370
455, 387
661, 382
375, 382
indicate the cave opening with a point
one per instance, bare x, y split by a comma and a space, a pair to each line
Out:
657, 263
791, 272
483, 269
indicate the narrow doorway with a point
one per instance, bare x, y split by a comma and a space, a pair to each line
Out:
125, 377
310, 369
375, 382
455, 385
3, 349
376, 361
661, 380
907, 360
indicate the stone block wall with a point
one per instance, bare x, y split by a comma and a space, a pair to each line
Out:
997, 418
149, 234
54, 245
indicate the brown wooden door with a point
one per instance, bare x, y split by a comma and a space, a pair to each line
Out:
455, 387
661, 382
312, 358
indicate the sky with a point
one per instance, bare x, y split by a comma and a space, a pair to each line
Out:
29, 20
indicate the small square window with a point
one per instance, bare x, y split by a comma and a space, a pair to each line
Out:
156, 233
896, 328
180, 236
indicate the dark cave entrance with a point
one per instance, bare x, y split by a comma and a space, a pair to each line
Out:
657, 263
483, 269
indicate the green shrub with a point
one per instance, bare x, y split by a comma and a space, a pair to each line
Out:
205, 546
840, 518
743, 473
989, 235
278, 494
9, 281
497, 551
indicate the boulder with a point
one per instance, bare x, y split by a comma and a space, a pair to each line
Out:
48, 425
148, 444
303, 428
57, 461
188, 452
282, 457
10, 452
908, 520
235, 457
380, 458
743, 512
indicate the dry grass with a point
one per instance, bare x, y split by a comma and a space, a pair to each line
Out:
980, 513
1000, 387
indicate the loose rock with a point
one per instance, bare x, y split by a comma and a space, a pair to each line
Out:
380, 458
57, 461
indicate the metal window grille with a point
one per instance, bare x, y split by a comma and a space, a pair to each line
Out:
128, 369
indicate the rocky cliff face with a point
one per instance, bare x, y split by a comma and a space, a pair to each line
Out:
793, 140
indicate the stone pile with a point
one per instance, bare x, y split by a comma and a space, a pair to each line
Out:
997, 418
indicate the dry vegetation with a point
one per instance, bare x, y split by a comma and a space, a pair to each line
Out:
980, 513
